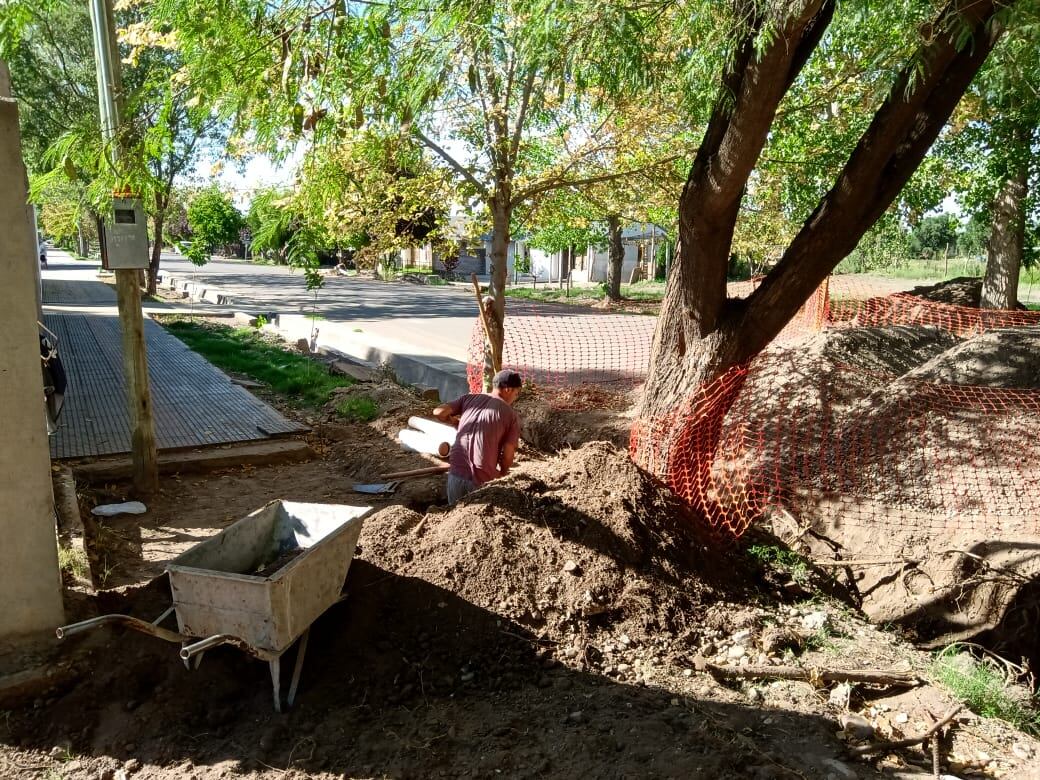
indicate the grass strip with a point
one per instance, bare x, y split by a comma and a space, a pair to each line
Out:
982, 684
302, 380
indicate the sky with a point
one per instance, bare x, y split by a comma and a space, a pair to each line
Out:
245, 179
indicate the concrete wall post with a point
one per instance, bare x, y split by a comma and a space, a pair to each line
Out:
29, 576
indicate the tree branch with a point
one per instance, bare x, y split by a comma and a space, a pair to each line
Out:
918, 106
559, 183
482, 189
514, 147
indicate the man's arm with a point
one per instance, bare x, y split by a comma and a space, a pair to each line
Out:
505, 462
449, 413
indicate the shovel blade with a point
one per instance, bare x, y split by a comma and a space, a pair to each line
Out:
375, 488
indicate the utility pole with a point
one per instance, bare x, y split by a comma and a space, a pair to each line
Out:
128, 288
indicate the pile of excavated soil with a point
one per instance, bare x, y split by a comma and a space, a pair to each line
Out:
796, 397
836, 368
904, 444
576, 543
962, 291
468, 641
1000, 358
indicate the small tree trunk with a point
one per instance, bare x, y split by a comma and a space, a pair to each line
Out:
501, 213
617, 257
82, 245
153, 263
1006, 243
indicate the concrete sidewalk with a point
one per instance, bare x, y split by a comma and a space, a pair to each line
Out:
194, 403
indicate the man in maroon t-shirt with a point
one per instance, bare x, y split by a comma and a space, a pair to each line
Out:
489, 431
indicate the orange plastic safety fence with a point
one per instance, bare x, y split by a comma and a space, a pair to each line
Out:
840, 419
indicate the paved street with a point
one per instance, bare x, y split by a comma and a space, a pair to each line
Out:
425, 332
430, 320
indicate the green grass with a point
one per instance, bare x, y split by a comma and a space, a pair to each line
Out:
938, 269
303, 380
74, 561
781, 558
982, 685
360, 408
641, 291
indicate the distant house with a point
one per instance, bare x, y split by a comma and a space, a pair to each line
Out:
640, 242
471, 259
588, 266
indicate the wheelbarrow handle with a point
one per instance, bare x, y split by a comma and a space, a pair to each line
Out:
205, 644
123, 620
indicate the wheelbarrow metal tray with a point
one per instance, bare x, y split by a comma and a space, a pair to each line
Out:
216, 592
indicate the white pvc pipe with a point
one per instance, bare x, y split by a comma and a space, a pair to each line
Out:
436, 429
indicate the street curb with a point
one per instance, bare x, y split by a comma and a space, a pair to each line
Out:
193, 290
446, 375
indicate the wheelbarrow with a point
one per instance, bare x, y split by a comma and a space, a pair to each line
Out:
258, 585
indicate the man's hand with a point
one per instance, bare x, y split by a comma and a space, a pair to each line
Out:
506, 461
443, 413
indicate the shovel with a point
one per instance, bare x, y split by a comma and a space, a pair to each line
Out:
397, 477
376, 488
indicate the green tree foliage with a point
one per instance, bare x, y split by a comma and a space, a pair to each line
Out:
496, 93
214, 221
51, 58
886, 244
271, 221
375, 194
162, 133
935, 235
989, 152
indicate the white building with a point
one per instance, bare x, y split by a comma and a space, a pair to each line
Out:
590, 266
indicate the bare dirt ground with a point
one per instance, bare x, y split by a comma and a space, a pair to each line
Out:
548, 626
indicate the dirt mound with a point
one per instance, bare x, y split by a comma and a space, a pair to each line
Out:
894, 349
834, 370
389, 397
961, 291
999, 358
924, 472
579, 542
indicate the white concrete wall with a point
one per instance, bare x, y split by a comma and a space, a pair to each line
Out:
29, 577
599, 267
545, 265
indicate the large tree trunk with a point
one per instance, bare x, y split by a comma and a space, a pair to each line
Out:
617, 257
702, 338
1006, 242
694, 341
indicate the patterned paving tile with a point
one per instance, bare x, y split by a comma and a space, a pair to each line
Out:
194, 403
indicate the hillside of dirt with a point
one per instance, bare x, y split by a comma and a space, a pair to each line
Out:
961, 291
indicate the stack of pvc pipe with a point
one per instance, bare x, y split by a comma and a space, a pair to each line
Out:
427, 436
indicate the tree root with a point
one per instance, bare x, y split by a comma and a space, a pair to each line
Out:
817, 677
888, 747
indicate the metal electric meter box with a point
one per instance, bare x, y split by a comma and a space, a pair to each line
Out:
126, 235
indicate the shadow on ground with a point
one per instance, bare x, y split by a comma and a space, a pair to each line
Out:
402, 680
